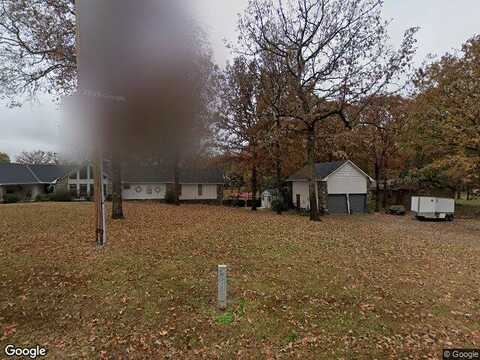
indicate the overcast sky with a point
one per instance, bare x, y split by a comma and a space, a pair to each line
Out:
445, 25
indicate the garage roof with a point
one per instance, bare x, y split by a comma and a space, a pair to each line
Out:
322, 170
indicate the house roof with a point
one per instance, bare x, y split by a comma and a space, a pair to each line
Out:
160, 174
21, 174
322, 170
17, 174
50, 173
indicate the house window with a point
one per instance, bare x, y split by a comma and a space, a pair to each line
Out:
83, 173
90, 169
92, 192
73, 176
200, 189
149, 189
83, 190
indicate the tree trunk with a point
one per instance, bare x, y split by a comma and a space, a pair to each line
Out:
254, 187
314, 215
278, 166
377, 186
468, 193
385, 190
117, 203
254, 177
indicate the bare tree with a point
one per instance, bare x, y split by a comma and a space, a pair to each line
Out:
37, 48
37, 157
335, 53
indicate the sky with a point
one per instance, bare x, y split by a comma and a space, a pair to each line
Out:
445, 25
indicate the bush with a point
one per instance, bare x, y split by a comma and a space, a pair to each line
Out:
170, 197
61, 196
10, 199
42, 198
238, 203
279, 205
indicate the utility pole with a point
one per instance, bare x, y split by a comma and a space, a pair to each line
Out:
101, 231
100, 227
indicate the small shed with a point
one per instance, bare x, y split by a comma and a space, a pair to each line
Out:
268, 196
341, 188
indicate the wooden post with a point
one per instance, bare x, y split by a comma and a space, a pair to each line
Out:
100, 227
222, 287
101, 234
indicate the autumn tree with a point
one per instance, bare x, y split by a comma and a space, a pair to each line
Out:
239, 120
4, 158
336, 54
273, 85
378, 134
446, 114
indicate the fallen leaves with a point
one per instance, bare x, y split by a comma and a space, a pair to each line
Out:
363, 286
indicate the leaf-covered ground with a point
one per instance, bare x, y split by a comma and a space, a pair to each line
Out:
362, 287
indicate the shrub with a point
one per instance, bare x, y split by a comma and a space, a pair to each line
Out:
61, 196
238, 203
170, 197
10, 199
278, 204
42, 198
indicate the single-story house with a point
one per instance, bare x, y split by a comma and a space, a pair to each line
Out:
342, 188
196, 185
29, 181
138, 183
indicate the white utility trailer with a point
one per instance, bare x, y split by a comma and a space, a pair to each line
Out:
425, 207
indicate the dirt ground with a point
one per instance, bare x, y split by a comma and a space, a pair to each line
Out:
358, 287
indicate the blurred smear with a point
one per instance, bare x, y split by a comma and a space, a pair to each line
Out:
144, 72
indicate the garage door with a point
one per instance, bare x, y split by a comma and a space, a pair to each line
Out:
337, 204
358, 203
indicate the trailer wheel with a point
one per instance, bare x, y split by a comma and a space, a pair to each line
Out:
450, 217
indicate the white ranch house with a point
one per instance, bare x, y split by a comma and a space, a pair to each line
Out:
342, 184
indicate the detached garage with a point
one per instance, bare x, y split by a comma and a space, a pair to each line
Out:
342, 188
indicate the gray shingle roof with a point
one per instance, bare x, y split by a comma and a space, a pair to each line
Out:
322, 170
21, 174
160, 174
50, 173
16, 174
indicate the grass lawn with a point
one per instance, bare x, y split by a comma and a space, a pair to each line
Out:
361, 287
468, 208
